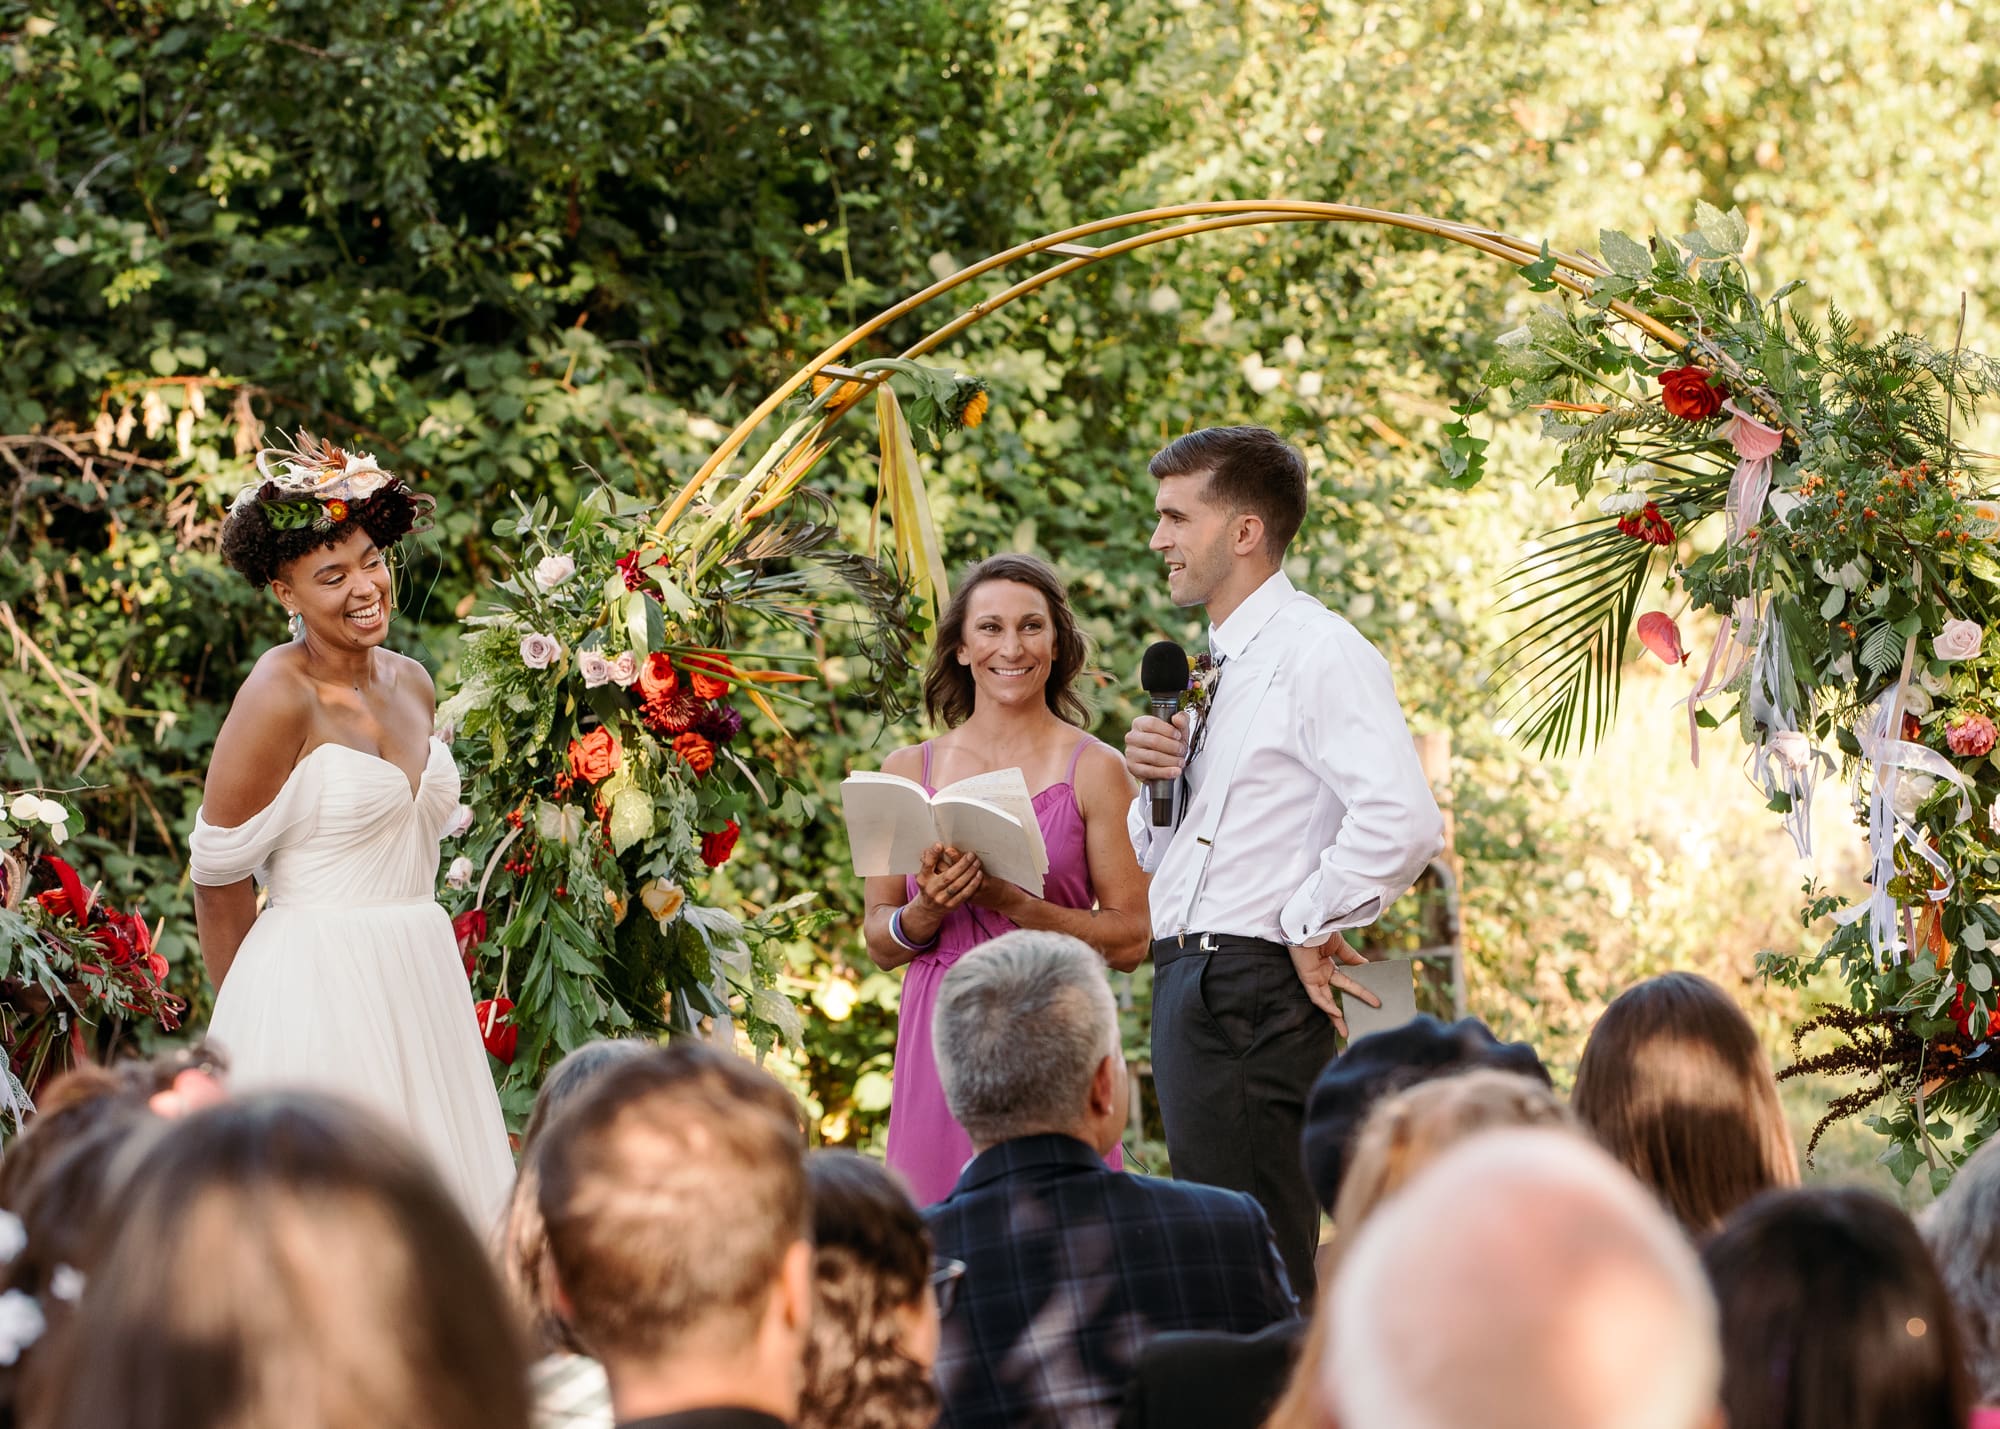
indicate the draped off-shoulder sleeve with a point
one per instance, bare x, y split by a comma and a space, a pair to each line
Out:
218, 857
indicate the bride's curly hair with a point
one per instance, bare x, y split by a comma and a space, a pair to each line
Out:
258, 551
871, 1259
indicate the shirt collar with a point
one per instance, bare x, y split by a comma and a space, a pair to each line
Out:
1233, 636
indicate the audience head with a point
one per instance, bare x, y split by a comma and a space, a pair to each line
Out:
524, 1242
1962, 1228
288, 1262
1012, 598
1833, 1317
1521, 1281
1374, 1066
1026, 1039
1674, 1085
875, 1320
673, 1189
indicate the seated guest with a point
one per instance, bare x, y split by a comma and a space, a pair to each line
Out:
1675, 1086
674, 1194
1070, 1268
1521, 1281
1223, 1381
1962, 1228
875, 1314
1833, 1317
288, 1262
1403, 1135
569, 1386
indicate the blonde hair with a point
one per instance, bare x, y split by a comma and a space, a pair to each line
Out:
1402, 1135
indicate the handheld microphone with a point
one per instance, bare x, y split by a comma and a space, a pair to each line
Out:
1164, 674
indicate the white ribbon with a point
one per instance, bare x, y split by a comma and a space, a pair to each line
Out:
1889, 755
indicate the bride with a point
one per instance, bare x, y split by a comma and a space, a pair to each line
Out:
326, 783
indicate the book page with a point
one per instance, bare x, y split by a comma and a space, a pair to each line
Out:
994, 834
889, 822
1006, 789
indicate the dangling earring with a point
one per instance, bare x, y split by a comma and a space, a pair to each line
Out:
295, 623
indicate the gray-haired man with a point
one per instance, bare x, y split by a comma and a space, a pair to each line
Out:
1070, 1268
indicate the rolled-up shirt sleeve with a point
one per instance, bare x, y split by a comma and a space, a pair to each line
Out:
1352, 735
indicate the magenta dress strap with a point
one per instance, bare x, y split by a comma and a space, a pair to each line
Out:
926, 1144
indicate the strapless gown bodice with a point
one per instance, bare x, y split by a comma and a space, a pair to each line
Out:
350, 979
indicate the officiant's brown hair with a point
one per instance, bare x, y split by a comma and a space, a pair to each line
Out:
948, 687
1674, 1084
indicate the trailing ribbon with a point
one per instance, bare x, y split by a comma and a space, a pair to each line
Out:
1889, 755
1785, 760
1733, 649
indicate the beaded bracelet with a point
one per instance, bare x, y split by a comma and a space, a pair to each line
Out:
902, 940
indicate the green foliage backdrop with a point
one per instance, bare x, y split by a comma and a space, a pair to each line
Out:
500, 243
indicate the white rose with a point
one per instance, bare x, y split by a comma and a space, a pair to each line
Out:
1916, 701
538, 652
25, 808
1931, 684
1911, 790
596, 670
625, 670
1958, 640
552, 571
459, 823
459, 875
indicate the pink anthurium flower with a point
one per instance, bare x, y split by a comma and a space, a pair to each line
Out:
1752, 440
1659, 634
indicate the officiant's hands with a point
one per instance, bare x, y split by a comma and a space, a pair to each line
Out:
1319, 970
1155, 748
945, 878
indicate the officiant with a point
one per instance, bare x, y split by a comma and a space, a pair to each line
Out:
1000, 685
1307, 813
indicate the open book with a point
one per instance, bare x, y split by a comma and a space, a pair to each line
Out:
891, 821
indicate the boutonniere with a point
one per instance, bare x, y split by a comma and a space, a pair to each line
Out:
1202, 672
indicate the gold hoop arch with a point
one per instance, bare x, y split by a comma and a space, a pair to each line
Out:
1574, 272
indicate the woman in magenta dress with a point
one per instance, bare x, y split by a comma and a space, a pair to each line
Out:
999, 682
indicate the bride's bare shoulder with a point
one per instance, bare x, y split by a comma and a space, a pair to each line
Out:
260, 740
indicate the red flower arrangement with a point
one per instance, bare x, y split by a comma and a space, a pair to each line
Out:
1686, 393
1648, 526
716, 847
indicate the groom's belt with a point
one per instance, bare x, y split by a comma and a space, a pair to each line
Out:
1186, 945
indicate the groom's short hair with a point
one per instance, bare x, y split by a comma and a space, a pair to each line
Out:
1249, 469
672, 1190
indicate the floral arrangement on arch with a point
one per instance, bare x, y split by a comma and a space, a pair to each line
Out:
73, 970
620, 723
1810, 488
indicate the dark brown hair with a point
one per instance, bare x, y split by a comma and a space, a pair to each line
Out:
871, 1258
948, 687
524, 1240
288, 1261
259, 552
1833, 1316
673, 1188
1249, 469
1674, 1084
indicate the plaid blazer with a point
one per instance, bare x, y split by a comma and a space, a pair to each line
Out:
1072, 1268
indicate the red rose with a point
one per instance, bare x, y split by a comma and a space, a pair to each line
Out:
696, 752
708, 673
595, 757
1686, 393
470, 926
657, 679
496, 1029
716, 847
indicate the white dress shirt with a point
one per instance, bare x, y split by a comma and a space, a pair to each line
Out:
1328, 818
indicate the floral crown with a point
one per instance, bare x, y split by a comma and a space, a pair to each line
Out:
313, 483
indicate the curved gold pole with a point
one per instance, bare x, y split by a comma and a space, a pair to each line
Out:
1572, 273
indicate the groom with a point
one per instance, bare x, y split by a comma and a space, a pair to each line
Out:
1307, 813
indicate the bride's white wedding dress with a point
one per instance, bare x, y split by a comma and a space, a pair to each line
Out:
350, 980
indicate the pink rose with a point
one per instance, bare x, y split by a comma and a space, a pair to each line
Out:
538, 652
459, 875
625, 671
1958, 640
552, 571
595, 669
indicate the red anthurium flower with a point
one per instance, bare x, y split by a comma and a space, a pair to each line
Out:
499, 1034
470, 926
67, 899
716, 847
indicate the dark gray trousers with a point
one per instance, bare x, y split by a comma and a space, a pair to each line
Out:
1236, 1047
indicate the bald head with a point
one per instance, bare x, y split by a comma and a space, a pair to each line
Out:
1522, 1281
